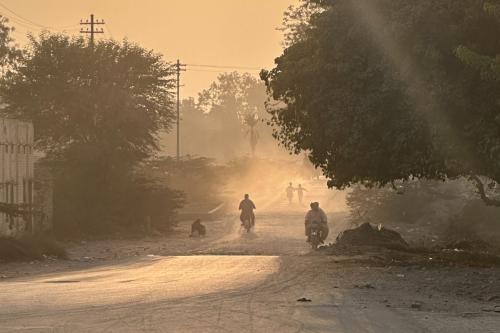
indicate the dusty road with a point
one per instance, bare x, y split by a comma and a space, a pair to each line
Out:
235, 283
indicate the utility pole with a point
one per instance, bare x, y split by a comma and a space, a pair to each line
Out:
179, 67
92, 30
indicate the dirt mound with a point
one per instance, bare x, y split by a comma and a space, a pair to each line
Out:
30, 248
368, 235
386, 247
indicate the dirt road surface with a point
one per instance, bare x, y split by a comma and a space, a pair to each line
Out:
232, 282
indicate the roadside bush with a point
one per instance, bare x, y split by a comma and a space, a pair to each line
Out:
122, 202
30, 248
451, 208
151, 205
413, 202
199, 178
475, 220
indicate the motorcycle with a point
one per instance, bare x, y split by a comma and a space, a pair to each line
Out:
246, 222
315, 235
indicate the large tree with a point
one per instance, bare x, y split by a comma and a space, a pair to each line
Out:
113, 94
234, 106
375, 91
296, 21
96, 110
487, 64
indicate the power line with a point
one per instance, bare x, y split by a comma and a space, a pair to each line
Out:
33, 23
19, 23
215, 71
227, 67
22, 18
23, 28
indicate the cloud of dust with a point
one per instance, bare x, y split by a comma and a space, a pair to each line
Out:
266, 180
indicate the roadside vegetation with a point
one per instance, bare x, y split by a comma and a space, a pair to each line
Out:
29, 248
98, 109
227, 120
397, 102
389, 91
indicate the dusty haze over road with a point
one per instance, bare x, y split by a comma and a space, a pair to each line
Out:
236, 283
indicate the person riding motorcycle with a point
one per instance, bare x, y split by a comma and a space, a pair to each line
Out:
247, 206
316, 215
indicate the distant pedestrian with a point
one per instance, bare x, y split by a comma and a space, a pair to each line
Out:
300, 193
289, 193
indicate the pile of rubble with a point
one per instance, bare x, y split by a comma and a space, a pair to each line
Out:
379, 245
30, 248
368, 235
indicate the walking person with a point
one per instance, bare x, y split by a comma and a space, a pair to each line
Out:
289, 193
300, 193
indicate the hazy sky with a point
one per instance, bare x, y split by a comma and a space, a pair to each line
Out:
211, 32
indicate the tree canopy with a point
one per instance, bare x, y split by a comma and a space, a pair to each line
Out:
376, 91
112, 94
226, 120
296, 21
9, 52
233, 96
97, 111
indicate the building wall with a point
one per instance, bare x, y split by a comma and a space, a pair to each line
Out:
16, 173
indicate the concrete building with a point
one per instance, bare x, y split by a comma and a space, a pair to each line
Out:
16, 174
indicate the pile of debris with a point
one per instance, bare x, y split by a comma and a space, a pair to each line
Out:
382, 246
368, 235
30, 248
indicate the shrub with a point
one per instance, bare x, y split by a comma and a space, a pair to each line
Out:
30, 248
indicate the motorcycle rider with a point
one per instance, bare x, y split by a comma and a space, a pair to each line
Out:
316, 215
247, 206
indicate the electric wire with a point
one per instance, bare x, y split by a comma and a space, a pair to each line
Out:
216, 71
25, 29
28, 25
222, 67
33, 23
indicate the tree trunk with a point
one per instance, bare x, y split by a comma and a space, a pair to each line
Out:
482, 192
